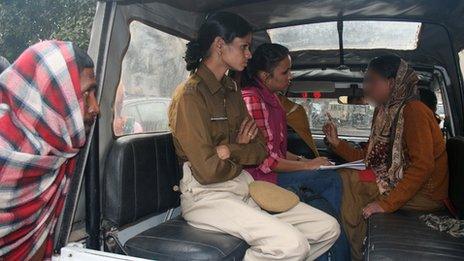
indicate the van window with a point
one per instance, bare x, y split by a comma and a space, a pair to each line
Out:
151, 69
351, 120
356, 35
320, 36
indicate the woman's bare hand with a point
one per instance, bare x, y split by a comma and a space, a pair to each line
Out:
372, 208
248, 131
223, 152
317, 163
331, 132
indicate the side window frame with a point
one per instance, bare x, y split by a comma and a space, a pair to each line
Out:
461, 64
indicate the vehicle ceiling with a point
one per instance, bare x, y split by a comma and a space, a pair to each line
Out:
276, 13
441, 23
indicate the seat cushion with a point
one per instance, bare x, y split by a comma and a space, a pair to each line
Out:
401, 234
177, 240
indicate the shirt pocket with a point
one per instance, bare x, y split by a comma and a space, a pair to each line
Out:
234, 122
219, 129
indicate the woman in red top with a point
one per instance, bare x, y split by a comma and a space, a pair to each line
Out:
269, 73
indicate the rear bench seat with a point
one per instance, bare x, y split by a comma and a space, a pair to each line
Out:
401, 235
140, 175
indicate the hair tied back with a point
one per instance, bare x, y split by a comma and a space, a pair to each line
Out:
193, 55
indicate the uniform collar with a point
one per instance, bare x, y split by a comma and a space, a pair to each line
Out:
213, 84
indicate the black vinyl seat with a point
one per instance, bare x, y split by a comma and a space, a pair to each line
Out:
140, 176
176, 240
401, 235
455, 148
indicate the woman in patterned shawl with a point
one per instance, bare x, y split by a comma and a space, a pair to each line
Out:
406, 156
47, 104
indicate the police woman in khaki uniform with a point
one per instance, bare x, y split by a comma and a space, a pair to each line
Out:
215, 136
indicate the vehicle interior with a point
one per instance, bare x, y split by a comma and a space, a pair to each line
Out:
139, 44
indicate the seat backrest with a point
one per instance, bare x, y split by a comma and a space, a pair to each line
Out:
141, 172
455, 149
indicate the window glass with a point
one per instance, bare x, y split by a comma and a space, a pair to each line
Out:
436, 105
131, 111
380, 34
151, 69
356, 35
351, 120
320, 36
440, 109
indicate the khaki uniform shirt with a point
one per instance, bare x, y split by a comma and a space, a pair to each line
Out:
205, 113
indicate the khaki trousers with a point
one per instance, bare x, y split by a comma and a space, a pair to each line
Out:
302, 233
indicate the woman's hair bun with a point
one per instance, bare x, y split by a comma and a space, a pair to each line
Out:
193, 55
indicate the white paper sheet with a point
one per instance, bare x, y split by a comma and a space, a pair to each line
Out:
357, 165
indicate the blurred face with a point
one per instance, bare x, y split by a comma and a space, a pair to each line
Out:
88, 89
377, 89
237, 53
281, 76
